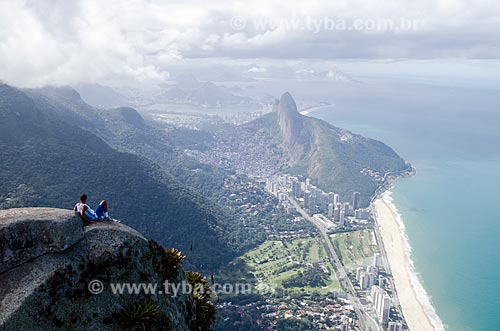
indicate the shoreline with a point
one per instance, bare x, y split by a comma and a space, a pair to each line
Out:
415, 303
308, 111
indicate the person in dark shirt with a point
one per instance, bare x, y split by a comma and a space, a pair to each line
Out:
102, 211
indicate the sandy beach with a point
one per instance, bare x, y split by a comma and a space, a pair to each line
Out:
415, 313
310, 110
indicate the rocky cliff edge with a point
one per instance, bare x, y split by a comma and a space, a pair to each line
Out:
47, 261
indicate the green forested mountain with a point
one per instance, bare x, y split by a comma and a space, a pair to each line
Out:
51, 154
54, 146
285, 141
125, 130
337, 160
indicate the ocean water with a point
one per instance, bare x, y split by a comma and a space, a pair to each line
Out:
450, 209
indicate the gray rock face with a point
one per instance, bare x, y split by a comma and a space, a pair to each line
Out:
289, 119
26, 234
51, 261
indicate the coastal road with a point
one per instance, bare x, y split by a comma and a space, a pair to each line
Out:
366, 321
378, 236
385, 262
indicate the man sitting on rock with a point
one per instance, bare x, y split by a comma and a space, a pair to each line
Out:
88, 214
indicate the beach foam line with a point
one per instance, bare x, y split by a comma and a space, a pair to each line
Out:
311, 110
421, 294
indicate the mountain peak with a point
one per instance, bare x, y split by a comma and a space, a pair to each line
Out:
289, 118
66, 92
287, 103
129, 115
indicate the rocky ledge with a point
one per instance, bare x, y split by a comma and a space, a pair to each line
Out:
48, 261
27, 233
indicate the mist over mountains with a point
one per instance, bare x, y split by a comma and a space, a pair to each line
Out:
216, 86
190, 91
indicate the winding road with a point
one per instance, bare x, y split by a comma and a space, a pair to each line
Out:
366, 321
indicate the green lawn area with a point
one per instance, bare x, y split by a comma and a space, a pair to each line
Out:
355, 248
276, 261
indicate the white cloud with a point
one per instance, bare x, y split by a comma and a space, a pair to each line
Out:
64, 42
256, 69
37, 49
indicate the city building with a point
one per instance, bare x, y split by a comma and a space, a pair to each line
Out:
395, 326
331, 197
376, 260
324, 202
347, 209
384, 309
312, 202
359, 270
381, 303
367, 280
355, 200
336, 214
363, 280
362, 215
296, 188
307, 198
381, 281
372, 269
336, 199
289, 209
330, 210
269, 185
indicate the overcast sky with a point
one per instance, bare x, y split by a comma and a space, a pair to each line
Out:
64, 42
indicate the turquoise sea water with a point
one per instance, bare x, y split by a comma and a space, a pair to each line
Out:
451, 207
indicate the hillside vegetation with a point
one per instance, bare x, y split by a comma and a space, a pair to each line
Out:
49, 160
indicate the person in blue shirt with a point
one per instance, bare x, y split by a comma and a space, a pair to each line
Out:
102, 211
